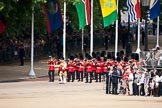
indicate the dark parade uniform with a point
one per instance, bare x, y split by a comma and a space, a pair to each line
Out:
114, 81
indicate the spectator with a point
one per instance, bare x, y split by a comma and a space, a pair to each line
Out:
21, 54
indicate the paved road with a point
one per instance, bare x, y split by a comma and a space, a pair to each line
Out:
43, 94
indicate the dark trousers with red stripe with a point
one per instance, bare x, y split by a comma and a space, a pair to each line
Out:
98, 76
89, 74
51, 75
71, 75
80, 76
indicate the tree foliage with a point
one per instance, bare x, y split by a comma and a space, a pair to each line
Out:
18, 15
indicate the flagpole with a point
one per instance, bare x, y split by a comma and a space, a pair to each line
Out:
157, 41
116, 40
138, 42
32, 73
64, 31
91, 43
82, 40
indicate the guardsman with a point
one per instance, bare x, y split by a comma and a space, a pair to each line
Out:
99, 69
80, 70
89, 71
108, 76
93, 68
63, 71
105, 69
51, 71
71, 74
76, 68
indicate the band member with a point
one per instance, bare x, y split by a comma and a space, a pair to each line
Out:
99, 69
63, 71
105, 70
71, 74
51, 71
81, 70
94, 61
108, 76
76, 68
89, 71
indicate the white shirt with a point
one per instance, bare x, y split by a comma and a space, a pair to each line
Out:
130, 78
142, 78
160, 79
157, 81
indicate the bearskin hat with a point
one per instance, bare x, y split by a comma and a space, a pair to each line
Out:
93, 54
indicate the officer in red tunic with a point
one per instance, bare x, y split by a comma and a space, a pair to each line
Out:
51, 71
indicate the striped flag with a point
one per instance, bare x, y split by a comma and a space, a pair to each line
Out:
154, 9
133, 9
53, 15
83, 10
109, 11
2, 24
87, 12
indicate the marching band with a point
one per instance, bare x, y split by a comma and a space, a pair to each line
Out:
122, 75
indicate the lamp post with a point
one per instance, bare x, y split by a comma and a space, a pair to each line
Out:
146, 4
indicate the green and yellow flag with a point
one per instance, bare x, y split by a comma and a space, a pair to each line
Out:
109, 11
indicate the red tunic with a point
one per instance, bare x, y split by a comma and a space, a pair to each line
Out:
71, 67
89, 67
125, 76
81, 67
61, 69
99, 67
105, 68
52, 64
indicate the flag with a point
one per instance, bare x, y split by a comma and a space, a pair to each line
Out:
154, 9
133, 9
53, 15
87, 12
83, 10
109, 11
2, 24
